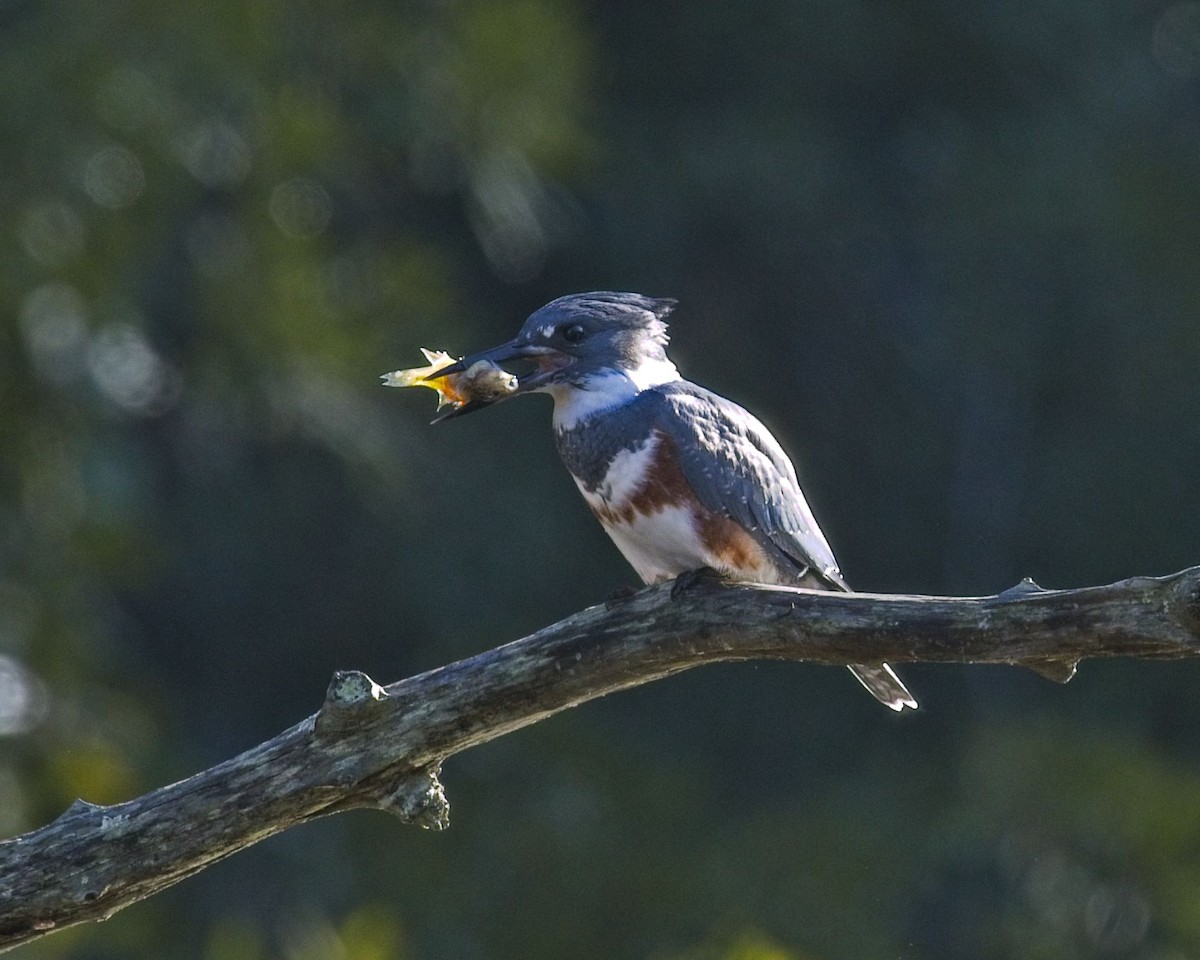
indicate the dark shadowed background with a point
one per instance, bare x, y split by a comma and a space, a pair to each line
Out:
948, 251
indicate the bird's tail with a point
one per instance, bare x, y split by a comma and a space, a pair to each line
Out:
884, 685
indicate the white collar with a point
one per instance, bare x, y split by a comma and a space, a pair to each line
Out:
575, 402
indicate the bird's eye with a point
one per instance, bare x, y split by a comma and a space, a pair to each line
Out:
572, 332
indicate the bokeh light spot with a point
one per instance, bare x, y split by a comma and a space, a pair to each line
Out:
128, 371
215, 154
23, 699
508, 202
54, 324
114, 177
52, 233
301, 207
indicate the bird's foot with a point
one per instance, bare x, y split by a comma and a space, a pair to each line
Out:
619, 596
691, 579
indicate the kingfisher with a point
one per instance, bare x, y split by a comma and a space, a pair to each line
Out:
680, 478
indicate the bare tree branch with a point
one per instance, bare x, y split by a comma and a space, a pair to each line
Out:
378, 747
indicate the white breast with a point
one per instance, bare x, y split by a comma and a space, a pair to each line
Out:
658, 545
625, 476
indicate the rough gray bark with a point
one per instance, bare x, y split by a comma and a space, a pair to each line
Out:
371, 746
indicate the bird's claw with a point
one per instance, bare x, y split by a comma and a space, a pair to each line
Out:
691, 579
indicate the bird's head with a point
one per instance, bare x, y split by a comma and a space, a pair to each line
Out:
579, 338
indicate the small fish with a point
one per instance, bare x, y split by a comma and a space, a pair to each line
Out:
482, 382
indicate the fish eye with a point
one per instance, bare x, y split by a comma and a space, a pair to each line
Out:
572, 332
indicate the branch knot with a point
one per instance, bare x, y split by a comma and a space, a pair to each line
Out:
420, 798
349, 692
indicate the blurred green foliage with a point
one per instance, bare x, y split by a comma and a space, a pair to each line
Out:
948, 252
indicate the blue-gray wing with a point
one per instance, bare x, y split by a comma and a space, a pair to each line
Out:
738, 470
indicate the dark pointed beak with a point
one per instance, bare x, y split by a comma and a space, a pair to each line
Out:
466, 408
546, 362
500, 355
